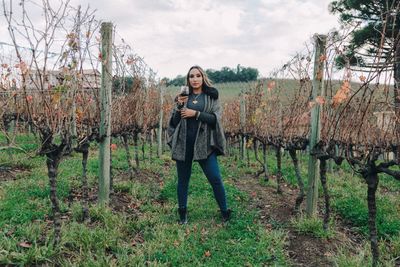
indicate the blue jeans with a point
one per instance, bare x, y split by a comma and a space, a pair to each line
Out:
211, 170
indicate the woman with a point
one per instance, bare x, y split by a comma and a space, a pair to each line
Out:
196, 133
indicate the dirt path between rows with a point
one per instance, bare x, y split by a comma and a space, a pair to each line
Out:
276, 211
11, 173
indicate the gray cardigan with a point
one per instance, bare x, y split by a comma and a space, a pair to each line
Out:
208, 138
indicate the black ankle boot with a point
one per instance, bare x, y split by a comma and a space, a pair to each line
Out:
182, 215
226, 215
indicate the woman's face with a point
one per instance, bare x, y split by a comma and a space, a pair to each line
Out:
195, 79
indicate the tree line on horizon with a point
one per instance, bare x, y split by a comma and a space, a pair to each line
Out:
225, 74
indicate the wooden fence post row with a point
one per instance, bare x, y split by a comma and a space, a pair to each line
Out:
160, 123
105, 115
317, 90
242, 125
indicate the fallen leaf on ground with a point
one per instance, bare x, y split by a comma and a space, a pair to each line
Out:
25, 244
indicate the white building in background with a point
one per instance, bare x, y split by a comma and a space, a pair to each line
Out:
91, 79
87, 79
385, 120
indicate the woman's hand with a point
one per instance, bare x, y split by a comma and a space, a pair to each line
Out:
182, 99
187, 113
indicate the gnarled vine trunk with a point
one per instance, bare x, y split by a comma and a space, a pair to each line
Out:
372, 179
323, 170
279, 169
301, 194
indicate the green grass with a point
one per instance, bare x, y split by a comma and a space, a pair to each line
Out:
348, 200
348, 193
345, 257
26, 142
313, 226
349, 196
240, 242
151, 236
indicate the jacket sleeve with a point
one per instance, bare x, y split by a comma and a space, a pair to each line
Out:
174, 120
216, 110
208, 118
218, 137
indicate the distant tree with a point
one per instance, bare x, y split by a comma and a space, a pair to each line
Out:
376, 36
122, 84
226, 74
128, 84
119, 84
213, 75
165, 80
376, 18
177, 81
246, 74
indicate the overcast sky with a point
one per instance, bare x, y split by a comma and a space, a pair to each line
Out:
172, 35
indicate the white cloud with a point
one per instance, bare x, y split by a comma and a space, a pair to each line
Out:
172, 35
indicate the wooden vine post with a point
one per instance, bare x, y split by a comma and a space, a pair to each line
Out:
397, 94
75, 77
160, 123
105, 113
242, 125
317, 91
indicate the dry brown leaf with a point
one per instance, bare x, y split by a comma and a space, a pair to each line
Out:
271, 85
25, 244
320, 100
